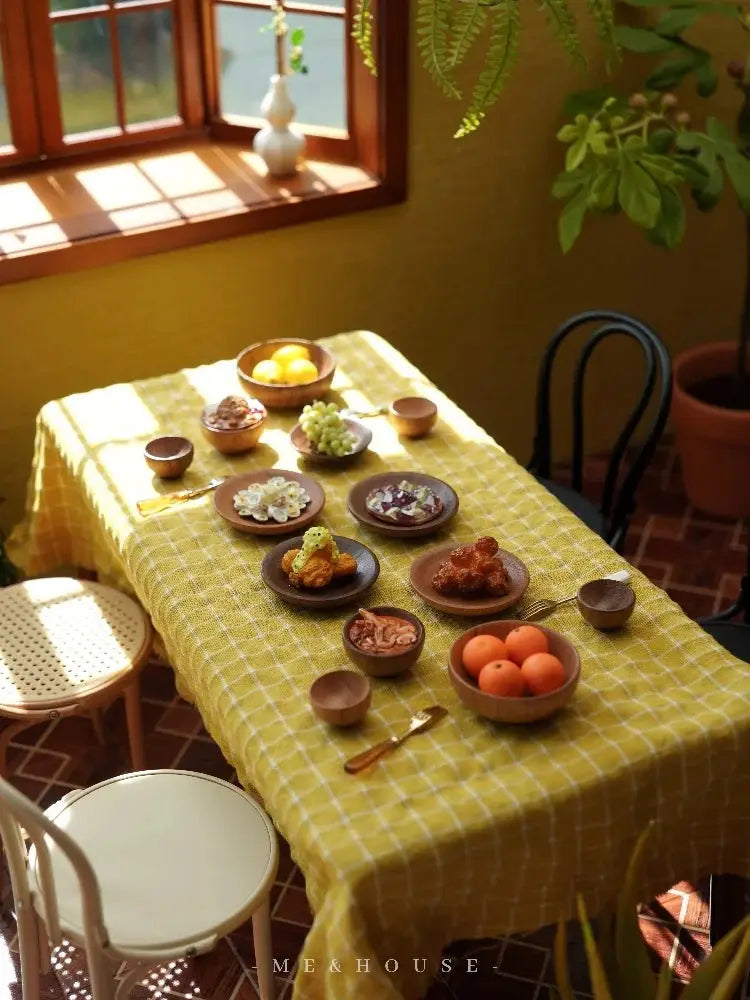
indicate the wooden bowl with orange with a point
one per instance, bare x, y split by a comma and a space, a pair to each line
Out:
514, 710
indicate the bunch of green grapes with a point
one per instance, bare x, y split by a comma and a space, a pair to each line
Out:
324, 426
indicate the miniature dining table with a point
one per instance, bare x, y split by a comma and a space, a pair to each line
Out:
471, 829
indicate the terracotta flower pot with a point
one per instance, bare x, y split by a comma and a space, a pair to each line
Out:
714, 442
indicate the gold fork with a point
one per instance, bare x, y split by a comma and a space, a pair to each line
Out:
420, 721
540, 609
154, 504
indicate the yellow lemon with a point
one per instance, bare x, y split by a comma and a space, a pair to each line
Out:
290, 352
300, 371
268, 371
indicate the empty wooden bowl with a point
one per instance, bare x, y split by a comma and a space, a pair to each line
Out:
413, 416
169, 457
606, 604
385, 664
341, 697
515, 711
285, 396
234, 441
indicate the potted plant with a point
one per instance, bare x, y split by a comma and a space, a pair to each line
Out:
642, 156
619, 965
448, 30
280, 146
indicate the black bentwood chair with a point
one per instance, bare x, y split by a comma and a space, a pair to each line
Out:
612, 517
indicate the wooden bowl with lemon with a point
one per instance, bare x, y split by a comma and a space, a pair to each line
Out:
286, 373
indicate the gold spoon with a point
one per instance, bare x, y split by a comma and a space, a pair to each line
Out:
421, 721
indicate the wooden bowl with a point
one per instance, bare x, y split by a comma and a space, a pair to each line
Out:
341, 697
356, 502
285, 396
224, 502
232, 442
385, 664
515, 711
606, 604
169, 457
425, 566
413, 416
337, 593
305, 447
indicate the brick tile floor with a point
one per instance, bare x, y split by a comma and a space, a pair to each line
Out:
667, 541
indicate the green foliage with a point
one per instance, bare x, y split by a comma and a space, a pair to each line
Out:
618, 962
449, 30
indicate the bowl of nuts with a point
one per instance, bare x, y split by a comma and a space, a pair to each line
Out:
234, 425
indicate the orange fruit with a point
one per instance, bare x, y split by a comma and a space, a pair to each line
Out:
480, 650
502, 678
543, 673
525, 640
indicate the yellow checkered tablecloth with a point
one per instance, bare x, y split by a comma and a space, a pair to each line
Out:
470, 829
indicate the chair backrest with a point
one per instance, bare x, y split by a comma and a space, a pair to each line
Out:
18, 813
618, 496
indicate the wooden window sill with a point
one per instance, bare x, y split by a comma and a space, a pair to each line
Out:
74, 217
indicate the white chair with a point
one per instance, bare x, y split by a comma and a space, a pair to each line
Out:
143, 869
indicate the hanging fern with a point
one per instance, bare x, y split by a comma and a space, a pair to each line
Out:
362, 34
467, 23
499, 62
563, 24
433, 41
447, 31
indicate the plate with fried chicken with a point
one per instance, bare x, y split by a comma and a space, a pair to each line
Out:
470, 579
320, 570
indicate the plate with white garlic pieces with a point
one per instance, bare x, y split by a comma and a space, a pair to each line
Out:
269, 501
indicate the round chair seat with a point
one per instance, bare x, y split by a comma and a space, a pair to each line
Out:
64, 639
179, 857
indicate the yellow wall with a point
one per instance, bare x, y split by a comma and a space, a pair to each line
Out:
465, 277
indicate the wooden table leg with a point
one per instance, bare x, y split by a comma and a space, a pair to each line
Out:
132, 695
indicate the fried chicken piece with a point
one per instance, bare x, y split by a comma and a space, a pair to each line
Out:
287, 559
471, 570
345, 565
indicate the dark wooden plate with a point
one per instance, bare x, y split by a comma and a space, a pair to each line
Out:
338, 592
224, 502
425, 566
356, 502
302, 443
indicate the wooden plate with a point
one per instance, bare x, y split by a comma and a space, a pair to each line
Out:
302, 443
356, 502
224, 502
338, 592
425, 566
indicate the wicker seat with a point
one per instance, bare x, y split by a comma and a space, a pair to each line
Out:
68, 647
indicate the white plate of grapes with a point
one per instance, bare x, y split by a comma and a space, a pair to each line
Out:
323, 435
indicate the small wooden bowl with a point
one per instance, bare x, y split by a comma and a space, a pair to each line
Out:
413, 416
169, 457
385, 664
232, 442
606, 604
285, 396
304, 446
341, 697
515, 711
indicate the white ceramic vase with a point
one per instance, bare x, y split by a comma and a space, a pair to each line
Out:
280, 146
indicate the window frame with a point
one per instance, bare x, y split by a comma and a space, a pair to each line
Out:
33, 90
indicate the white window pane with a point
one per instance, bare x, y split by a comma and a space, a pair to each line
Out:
247, 60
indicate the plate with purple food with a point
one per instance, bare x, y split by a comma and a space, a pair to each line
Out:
403, 504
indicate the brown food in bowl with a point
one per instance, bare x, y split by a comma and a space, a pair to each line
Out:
384, 635
473, 569
235, 413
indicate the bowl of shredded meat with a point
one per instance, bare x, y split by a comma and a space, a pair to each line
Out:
383, 641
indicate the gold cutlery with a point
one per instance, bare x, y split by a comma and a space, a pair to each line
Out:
155, 504
540, 609
421, 721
